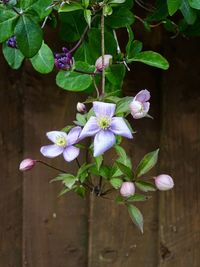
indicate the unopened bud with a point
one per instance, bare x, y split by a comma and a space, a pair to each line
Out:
164, 182
81, 107
140, 106
127, 189
27, 164
107, 61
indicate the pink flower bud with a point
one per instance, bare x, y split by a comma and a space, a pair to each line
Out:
81, 107
164, 182
140, 106
27, 164
107, 61
127, 189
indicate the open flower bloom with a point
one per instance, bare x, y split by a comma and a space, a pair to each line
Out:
140, 106
63, 143
104, 127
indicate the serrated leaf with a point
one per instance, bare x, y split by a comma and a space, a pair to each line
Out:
136, 216
145, 186
116, 182
151, 58
147, 163
13, 56
72, 81
43, 61
29, 36
67, 179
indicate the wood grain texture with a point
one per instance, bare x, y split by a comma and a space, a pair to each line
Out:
54, 229
11, 141
180, 142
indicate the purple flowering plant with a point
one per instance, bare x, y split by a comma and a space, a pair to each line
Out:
93, 62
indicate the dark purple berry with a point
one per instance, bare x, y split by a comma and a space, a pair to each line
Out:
12, 42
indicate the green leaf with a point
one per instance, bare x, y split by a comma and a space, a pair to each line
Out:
137, 198
115, 74
72, 81
134, 49
85, 3
188, 13
83, 171
151, 58
13, 56
121, 17
64, 191
116, 182
145, 186
7, 20
43, 61
125, 170
119, 200
80, 190
26, 3
116, 1
173, 6
195, 4
41, 8
136, 216
29, 36
99, 161
67, 179
147, 163
81, 119
123, 105
87, 16
68, 7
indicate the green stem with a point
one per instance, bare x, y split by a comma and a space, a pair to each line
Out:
102, 53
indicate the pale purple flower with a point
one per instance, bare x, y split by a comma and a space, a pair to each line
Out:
81, 107
127, 189
63, 144
104, 127
99, 63
164, 182
140, 106
27, 164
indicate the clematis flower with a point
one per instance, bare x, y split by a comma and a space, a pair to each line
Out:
140, 106
104, 127
63, 61
63, 144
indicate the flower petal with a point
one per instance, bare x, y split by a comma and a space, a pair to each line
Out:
103, 140
73, 135
143, 96
104, 109
70, 153
53, 135
90, 128
119, 127
51, 151
146, 107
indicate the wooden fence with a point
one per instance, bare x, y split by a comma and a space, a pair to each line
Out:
38, 229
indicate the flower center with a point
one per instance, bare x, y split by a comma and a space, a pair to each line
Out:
104, 122
61, 141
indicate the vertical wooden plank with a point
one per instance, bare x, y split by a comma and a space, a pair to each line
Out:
11, 141
114, 240
179, 209
55, 229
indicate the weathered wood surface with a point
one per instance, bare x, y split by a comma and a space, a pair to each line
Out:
38, 229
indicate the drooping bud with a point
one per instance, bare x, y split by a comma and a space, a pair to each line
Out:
12, 42
107, 61
127, 189
81, 107
140, 106
63, 61
27, 164
164, 182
